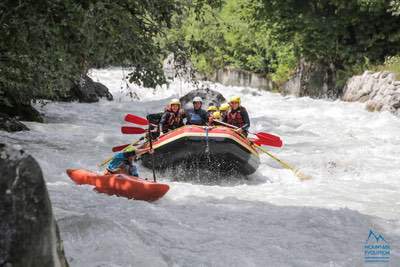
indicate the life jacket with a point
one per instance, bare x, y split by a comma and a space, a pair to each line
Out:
235, 117
174, 121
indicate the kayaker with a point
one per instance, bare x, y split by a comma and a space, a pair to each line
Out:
223, 109
210, 111
172, 117
197, 115
122, 162
238, 116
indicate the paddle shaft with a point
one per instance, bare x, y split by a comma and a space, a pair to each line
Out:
110, 158
296, 172
233, 126
152, 155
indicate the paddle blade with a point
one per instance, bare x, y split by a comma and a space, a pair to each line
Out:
301, 175
136, 119
119, 148
267, 142
268, 136
132, 130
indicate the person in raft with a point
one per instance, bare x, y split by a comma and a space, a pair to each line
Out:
216, 116
223, 109
172, 117
238, 116
122, 162
210, 111
197, 115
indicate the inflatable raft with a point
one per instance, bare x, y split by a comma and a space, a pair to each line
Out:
216, 148
120, 185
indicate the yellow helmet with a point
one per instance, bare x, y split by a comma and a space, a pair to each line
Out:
224, 107
175, 101
235, 99
217, 115
212, 108
130, 149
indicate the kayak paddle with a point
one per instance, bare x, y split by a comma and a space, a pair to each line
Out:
123, 149
295, 171
119, 148
132, 130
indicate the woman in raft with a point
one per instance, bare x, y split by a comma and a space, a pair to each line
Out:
173, 116
122, 162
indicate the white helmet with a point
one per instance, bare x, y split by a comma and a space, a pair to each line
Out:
197, 99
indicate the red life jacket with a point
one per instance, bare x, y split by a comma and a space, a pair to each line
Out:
235, 118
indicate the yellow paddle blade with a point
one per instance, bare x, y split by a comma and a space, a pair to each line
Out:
301, 175
104, 162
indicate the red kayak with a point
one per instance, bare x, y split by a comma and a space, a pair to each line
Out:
120, 185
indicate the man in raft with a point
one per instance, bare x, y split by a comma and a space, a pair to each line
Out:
122, 162
172, 117
197, 115
237, 116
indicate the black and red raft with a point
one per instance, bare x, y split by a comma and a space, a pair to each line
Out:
218, 148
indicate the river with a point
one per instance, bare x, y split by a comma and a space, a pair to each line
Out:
269, 219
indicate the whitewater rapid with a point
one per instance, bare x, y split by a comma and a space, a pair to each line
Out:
271, 219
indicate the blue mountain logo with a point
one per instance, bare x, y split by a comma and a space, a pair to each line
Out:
375, 237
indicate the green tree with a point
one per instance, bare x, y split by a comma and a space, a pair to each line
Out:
225, 36
46, 45
343, 32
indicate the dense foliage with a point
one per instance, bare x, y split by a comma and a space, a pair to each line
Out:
46, 45
225, 36
271, 36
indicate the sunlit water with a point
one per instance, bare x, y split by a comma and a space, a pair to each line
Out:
269, 219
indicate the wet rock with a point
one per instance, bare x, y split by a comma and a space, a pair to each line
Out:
88, 91
316, 80
29, 235
380, 91
210, 97
16, 106
10, 124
